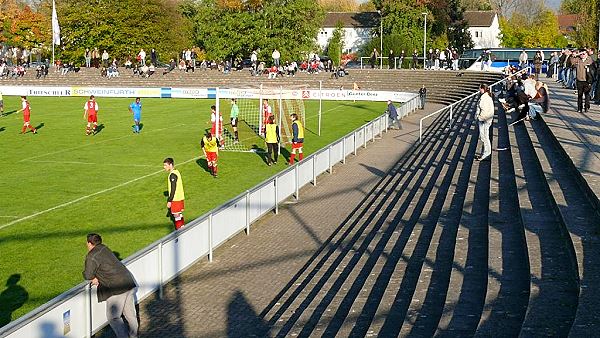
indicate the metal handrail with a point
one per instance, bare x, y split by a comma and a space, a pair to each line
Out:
460, 101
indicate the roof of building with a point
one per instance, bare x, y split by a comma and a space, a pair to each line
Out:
352, 19
479, 18
567, 22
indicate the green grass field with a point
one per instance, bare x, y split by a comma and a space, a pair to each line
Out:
59, 185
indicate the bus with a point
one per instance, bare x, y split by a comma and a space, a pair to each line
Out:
502, 57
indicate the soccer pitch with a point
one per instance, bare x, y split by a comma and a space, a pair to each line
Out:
59, 185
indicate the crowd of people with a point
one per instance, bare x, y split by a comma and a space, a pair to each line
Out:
577, 69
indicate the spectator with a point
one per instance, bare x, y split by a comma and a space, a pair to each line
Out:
142, 56
523, 59
254, 61
115, 284
189, 65
273, 72
422, 97
128, 64
484, 116
537, 64
96, 57
151, 70
401, 60
373, 59
415, 58
540, 102
105, 58
182, 66
276, 56
88, 58
153, 57
584, 75
172, 66
393, 115
391, 60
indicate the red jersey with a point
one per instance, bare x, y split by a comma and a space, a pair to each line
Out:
91, 107
26, 109
267, 112
213, 129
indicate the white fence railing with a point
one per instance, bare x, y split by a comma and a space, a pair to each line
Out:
77, 313
451, 106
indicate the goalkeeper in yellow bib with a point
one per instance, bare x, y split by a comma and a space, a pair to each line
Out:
210, 147
176, 194
297, 139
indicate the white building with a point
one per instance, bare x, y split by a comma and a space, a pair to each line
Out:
484, 28
358, 29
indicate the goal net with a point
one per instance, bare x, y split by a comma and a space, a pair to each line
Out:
255, 104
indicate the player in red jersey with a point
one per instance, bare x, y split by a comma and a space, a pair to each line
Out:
267, 112
26, 115
216, 120
90, 109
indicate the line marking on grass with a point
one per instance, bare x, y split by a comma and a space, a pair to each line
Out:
88, 196
95, 143
97, 164
9, 216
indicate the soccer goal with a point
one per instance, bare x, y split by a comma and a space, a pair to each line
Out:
255, 104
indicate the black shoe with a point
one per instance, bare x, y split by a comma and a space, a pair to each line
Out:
481, 159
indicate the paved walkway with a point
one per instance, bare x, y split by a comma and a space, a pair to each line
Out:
231, 295
578, 133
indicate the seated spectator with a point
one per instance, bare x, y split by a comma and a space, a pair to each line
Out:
182, 65
227, 67
189, 66
151, 70
172, 66
103, 72
291, 69
3, 69
144, 71
304, 66
260, 69
273, 72
128, 64
203, 65
112, 71
540, 103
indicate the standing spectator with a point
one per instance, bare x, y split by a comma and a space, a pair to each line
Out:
105, 58
233, 116
597, 87
454, 59
393, 115
254, 61
401, 60
142, 56
153, 57
443, 58
584, 77
391, 60
276, 56
422, 96
523, 59
552, 65
484, 116
96, 57
115, 284
136, 109
26, 109
297, 139
272, 140
436, 59
88, 58
188, 56
415, 58
176, 197
430, 57
210, 146
537, 64
90, 110
373, 59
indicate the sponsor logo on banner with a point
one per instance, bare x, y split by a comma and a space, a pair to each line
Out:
189, 93
305, 94
116, 92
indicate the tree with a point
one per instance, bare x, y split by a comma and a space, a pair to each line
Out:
541, 30
336, 44
122, 27
588, 12
339, 5
289, 26
476, 5
21, 26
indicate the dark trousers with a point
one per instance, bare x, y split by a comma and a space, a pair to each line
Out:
272, 148
583, 88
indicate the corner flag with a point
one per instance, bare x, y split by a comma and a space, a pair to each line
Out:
55, 26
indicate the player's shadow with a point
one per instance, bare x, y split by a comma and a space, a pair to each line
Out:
283, 152
202, 163
40, 126
99, 128
2, 129
261, 152
9, 113
141, 126
12, 298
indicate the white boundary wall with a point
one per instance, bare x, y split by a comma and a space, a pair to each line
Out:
77, 313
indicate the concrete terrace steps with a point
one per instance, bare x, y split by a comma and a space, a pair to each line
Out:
443, 86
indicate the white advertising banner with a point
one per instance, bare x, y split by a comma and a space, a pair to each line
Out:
210, 93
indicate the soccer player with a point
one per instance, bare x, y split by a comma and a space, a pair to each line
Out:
297, 139
176, 195
90, 110
235, 111
210, 147
216, 120
26, 115
272, 140
267, 111
136, 109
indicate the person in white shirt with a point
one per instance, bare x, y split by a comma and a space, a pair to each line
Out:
276, 56
484, 116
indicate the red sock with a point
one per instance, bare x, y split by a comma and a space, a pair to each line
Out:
210, 168
32, 128
292, 157
24, 128
301, 156
215, 170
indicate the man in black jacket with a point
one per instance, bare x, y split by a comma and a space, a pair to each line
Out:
115, 284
